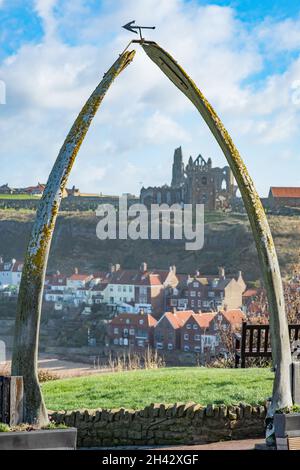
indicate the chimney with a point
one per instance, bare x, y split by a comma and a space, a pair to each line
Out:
221, 272
172, 269
239, 274
143, 267
117, 267
174, 310
111, 268
13, 260
197, 273
58, 273
76, 270
1, 259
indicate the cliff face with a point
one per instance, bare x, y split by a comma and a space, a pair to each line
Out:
228, 242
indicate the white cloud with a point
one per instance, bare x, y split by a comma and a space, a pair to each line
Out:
281, 36
161, 128
143, 115
44, 9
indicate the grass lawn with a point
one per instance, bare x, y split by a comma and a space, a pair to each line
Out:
137, 389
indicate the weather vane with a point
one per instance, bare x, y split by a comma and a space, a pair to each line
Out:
131, 28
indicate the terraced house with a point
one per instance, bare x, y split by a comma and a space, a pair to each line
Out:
134, 290
206, 293
10, 273
132, 330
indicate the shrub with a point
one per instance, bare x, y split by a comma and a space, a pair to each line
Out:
4, 427
46, 375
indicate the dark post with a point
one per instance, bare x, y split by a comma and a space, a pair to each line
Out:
11, 400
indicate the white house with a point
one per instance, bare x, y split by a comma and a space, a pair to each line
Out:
10, 273
77, 281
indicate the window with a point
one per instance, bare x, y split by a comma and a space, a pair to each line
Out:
141, 322
186, 348
141, 343
192, 303
197, 337
125, 342
125, 331
131, 331
195, 327
188, 326
116, 341
119, 288
195, 284
159, 346
170, 346
193, 293
111, 289
116, 331
211, 294
127, 321
124, 288
199, 303
186, 336
130, 288
197, 348
204, 180
199, 294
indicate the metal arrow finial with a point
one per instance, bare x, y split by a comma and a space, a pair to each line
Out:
132, 29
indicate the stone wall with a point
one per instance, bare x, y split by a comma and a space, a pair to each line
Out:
160, 424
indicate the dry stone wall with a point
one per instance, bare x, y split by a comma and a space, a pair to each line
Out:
160, 424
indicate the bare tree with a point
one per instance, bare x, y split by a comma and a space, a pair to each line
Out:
25, 350
262, 235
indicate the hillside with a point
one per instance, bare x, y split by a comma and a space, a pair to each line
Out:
228, 242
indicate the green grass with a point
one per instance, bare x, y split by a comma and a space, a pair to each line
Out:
18, 196
137, 389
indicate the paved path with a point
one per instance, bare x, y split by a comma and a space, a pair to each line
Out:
60, 367
245, 444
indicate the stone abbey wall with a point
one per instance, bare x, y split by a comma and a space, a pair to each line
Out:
160, 424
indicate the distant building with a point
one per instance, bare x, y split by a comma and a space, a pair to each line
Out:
196, 183
142, 289
10, 272
284, 196
167, 330
204, 293
132, 331
192, 332
195, 334
5, 189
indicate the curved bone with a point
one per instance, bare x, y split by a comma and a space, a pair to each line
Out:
259, 224
25, 351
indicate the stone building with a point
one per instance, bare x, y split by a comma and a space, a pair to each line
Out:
284, 196
206, 293
196, 183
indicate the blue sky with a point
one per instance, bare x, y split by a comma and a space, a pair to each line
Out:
244, 55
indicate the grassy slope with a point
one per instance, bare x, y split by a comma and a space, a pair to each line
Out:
137, 389
228, 242
19, 196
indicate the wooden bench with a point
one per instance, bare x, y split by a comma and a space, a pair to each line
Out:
254, 341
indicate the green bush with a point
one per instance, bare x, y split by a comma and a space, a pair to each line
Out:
4, 427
